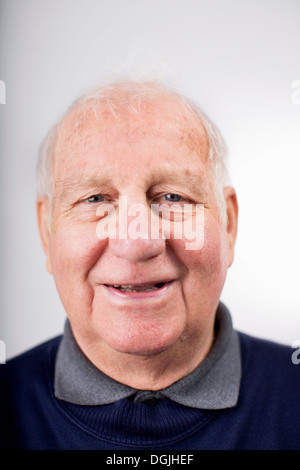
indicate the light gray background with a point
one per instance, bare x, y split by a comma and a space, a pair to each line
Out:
238, 58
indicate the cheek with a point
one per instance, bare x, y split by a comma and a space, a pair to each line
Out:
207, 266
213, 256
73, 253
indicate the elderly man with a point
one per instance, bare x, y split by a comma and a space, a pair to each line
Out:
149, 358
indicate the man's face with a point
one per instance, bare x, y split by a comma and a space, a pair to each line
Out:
137, 296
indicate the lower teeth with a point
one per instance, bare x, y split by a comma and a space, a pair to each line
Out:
135, 290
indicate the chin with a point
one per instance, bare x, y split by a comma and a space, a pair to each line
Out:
143, 342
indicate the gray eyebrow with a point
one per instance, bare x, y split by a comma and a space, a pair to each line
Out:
70, 185
190, 180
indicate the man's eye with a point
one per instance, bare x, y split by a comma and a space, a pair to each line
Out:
171, 197
95, 199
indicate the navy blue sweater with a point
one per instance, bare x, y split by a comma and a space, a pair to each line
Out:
267, 415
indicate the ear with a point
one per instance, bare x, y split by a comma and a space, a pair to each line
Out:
43, 208
232, 220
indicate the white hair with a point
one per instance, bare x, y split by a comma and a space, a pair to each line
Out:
134, 95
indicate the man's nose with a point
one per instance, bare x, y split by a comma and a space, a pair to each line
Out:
134, 241
138, 250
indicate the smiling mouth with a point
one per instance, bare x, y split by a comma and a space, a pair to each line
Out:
138, 288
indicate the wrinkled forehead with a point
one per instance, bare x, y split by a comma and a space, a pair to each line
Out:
166, 118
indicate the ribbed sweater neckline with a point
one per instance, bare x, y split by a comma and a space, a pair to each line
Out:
138, 424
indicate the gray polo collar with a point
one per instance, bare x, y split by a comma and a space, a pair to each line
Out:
214, 384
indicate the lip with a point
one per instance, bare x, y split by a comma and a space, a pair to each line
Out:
140, 295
